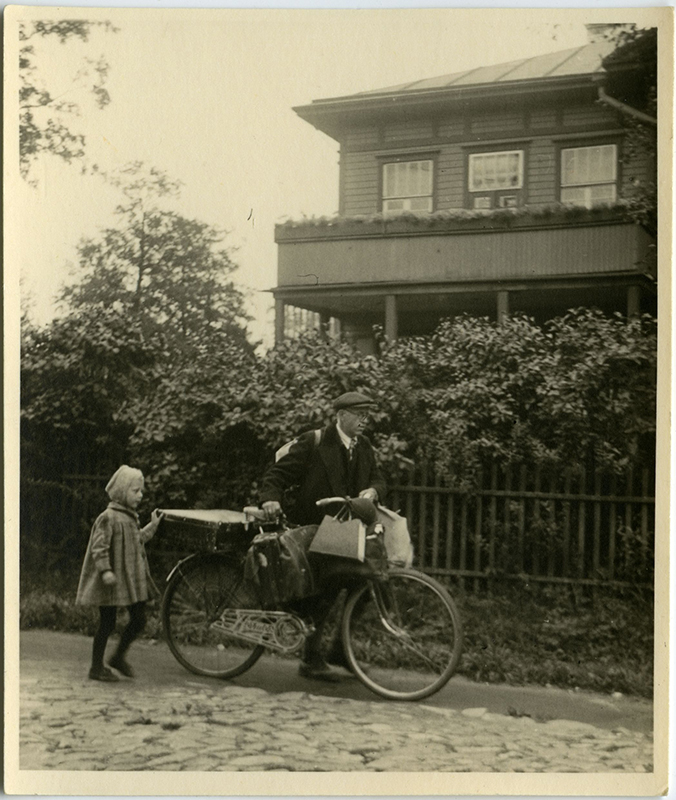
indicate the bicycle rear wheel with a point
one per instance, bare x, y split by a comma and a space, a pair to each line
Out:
402, 636
197, 595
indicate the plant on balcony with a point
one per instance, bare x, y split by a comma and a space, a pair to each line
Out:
499, 217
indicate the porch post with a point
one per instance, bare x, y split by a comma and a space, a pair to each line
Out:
633, 301
503, 306
324, 324
391, 321
279, 320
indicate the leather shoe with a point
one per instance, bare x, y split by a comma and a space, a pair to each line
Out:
318, 672
337, 658
118, 663
102, 674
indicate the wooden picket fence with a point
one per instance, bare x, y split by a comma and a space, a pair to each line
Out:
576, 527
571, 528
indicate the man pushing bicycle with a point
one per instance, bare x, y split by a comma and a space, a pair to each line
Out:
337, 461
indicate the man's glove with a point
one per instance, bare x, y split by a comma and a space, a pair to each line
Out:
272, 509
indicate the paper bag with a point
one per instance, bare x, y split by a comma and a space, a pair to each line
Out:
397, 538
344, 539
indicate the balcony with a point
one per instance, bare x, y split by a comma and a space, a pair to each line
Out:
407, 272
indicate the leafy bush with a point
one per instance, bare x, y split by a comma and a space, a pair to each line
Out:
203, 420
538, 637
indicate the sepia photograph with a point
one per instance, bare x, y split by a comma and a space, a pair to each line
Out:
337, 454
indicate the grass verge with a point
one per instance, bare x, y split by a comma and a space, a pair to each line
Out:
524, 635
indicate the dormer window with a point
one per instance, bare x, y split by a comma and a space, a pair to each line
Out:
407, 186
589, 175
495, 179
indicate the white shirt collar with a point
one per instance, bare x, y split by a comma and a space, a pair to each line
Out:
344, 438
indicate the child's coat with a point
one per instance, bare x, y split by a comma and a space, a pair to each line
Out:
116, 543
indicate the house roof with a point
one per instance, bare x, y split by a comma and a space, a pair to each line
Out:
565, 70
584, 60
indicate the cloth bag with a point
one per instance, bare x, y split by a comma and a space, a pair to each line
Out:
277, 563
397, 538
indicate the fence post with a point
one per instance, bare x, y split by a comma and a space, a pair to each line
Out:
449, 531
551, 550
628, 509
613, 530
521, 518
478, 521
566, 526
581, 525
422, 520
536, 523
492, 523
463, 538
644, 518
435, 522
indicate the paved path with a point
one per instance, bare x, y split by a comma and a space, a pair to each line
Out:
71, 723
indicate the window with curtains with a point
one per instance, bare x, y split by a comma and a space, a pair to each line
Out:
495, 179
589, 175
408, 186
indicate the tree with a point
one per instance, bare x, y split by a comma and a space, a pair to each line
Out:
80, 376
631, 79
166, 270
42, 115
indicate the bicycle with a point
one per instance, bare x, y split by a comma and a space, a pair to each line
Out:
401, 630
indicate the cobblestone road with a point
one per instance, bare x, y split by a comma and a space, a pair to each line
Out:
70, 723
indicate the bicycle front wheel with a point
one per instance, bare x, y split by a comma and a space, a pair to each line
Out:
198, 594
402, 636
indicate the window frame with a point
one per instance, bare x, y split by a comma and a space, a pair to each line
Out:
494, 195
403, 158
578, 144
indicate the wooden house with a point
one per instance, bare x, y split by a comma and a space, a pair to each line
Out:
495, 190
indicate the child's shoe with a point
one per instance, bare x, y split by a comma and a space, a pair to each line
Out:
117, 662
102, 674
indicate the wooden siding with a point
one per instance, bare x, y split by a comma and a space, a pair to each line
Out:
587, 116
540, 130
450, 178
494, 125
408, 131
543, 119
451, 128
361, 184
476, 256
359, 138
541, 178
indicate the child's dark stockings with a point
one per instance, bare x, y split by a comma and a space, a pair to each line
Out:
108, 614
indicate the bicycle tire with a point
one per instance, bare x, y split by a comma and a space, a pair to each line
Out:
421, 654
197, 594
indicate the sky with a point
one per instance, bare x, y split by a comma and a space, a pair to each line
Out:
208, 97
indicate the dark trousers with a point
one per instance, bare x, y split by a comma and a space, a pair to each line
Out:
108, 615
318, 608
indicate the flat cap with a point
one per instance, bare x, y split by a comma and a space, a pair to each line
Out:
353, 400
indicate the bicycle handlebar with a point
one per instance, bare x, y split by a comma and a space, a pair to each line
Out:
326, 501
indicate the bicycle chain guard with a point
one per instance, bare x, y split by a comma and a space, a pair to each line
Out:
278, 630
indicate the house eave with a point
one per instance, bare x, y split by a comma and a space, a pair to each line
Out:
332, 115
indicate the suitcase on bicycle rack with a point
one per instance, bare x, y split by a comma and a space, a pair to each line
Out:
204, 531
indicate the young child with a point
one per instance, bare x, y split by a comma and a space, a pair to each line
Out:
115, 570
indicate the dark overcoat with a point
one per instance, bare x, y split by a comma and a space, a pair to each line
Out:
321, 470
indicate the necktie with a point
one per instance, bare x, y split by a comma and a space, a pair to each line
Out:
350, 449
